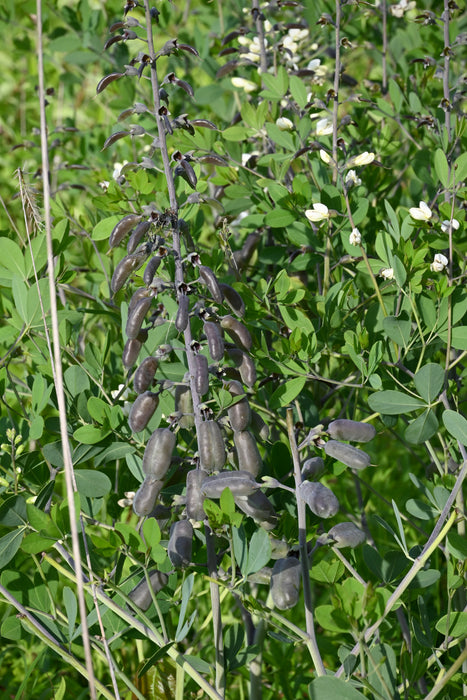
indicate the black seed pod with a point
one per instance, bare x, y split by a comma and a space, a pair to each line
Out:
285, 583
136, 317
158, 453
142, 411
237, 331
259, 426
211, 446
320, 500
144, 375
201, 374
131, 352
125, 268
194, 495
180, 544
208, 278
140, 293
151, 269
184, 405
215, 340
145, 497
240, 483
245, 365
139, 231
347, 454
240, 413
312, 468
249, 458
351, 430
258, 506
141, 595
346, 535
181, 320
233, 299
122, 228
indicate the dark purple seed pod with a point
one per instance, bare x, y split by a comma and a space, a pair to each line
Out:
347, 454
258, 506
125, 268
245, 365
249, 458
285, 583
243, 256
158, 453
184, 405
144, 375
181, 321
194, 495
312, 468
208, 278
135, 239
131, 352
233, 299
142, 411
106, 80
122, 228
211, 446
145, 497
151, 269
351, 430
201, 374
136, 317
240, 413
180, 544
141, 595
140, 293
260, 428
240, 483
346, 535
320, 500
237, 331
215, 340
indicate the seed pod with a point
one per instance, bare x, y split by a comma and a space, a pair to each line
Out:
211, 445
194, 495
249, 458
346, 535
158, 453
184, 405
260, 428
145, 497
215, 340
240, 413
208, 278
285, 583
351, 430
142, 411
125, 267
136, 317
259, 507
139, 231
151, 269
347, 454
144, 375
320, 500
201, 374
237, 331
245, 365
180, 543
312, 468
140, 293
243, 256
141, 596
121, 229
240, 483
181, 320
233, 299
131, 352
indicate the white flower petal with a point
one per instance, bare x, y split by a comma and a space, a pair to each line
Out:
421, 213
284, 124
355, 237
387, 273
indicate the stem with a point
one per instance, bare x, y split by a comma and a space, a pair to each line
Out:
301, 515
438, 687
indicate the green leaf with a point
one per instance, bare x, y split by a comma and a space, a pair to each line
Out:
98, 409
327, 572
92, 484
397, 329
13, 511
35, 543
422, 428
240, 548
332, 619
298, 91
187, 590
454, 625
12, 260
279, 218
393, 403
9, 545
76, 380
441, 167
460, 168
456, 425
420, 509
458, 337
71, 607
90, 434
457, 545
159, 654
259, 552
287, 392
429, 381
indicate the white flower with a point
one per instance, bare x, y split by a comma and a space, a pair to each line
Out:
118, 169
401, 7
253, 57
298, 34
387, 273
244, 41
421, 213
446, 225
364, 158
289, 44
355, 237
284, 124
323, 127
325, 157
439, 263
352, 179
314, 64
246, 85
318, 213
